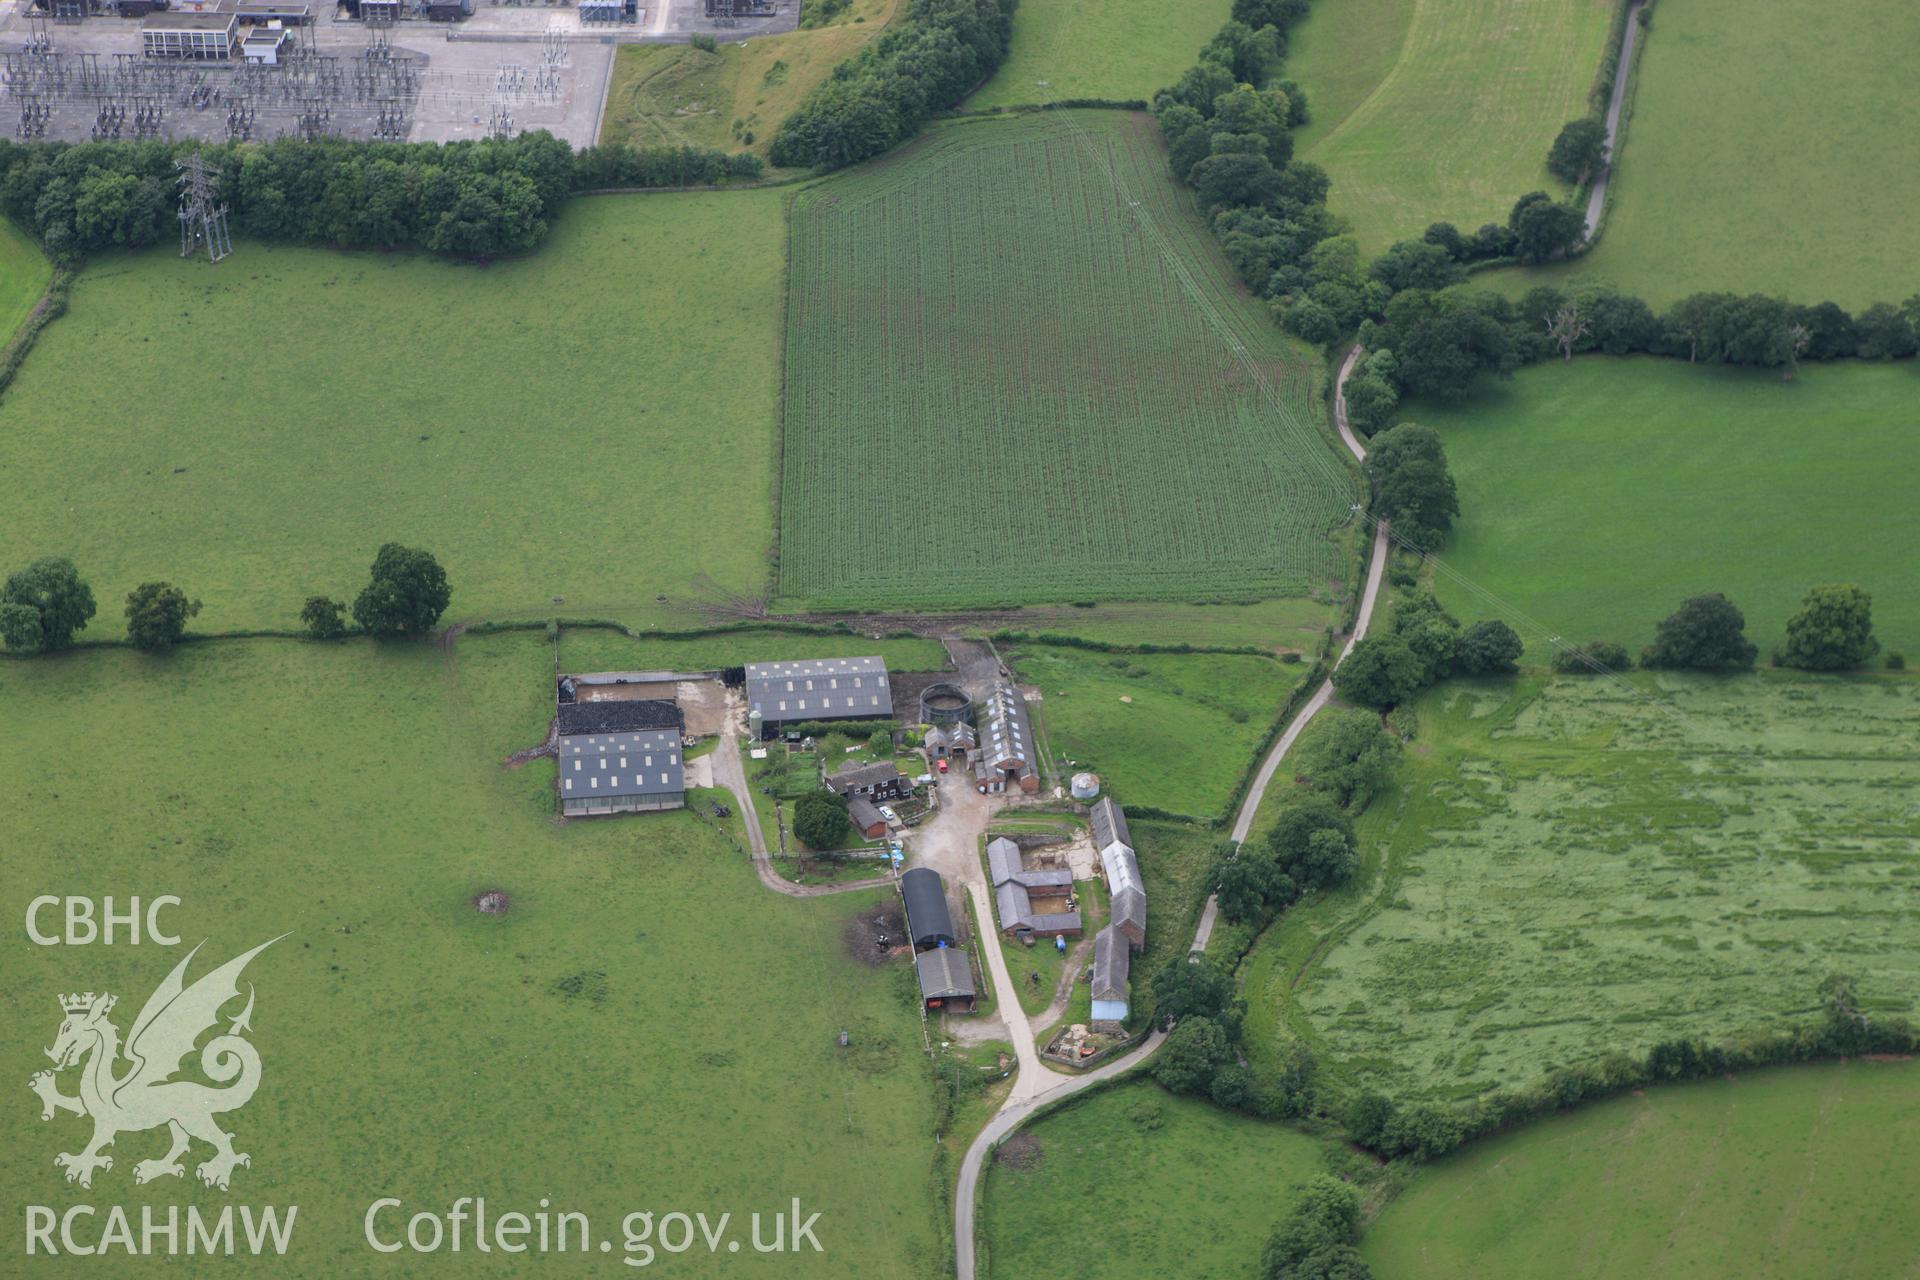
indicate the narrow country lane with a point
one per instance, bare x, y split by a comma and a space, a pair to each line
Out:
1597, 198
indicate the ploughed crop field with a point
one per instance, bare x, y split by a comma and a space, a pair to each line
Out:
645, 1027
1011, 377
1597, 495
1810, 199
1104, 1180
1776, 1175
1437, 110
253, 431
1570, 867
1117, 50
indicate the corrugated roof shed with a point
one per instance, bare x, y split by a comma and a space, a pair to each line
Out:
1003, 859
620, 764
944, 974
1112, 959
820, 689
1109, 825
925, 895
1009, 739
1016, 912
1129, 915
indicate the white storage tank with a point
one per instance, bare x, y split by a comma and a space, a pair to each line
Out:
1086, 786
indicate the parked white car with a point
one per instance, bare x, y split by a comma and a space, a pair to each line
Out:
889, 814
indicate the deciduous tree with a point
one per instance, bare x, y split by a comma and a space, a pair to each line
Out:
157, 614
1832, 632
1578, 150
405, 595
820, 820
1706, 633
1490, 648
59, 601
1380, 672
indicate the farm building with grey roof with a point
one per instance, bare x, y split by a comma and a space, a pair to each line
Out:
1006, 751
1112, 959
620, 772
818, 689
1031, 902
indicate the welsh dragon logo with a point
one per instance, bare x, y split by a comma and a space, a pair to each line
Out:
145, 1095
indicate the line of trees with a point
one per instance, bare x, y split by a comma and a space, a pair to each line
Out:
1833, 631
46, 604
1438, 341
925, 62
1424, 1131
1226, 123
477, 198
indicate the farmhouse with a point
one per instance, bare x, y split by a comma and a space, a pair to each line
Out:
1006, 754
620, 772
929, 923
877, 782
1032, 903
1112, 957
866, 818
1126, 892
817, 689
198, 37
946, 979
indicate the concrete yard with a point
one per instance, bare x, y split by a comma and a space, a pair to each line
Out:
509, 68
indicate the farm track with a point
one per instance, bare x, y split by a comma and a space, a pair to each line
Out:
1019, 1106
729, 772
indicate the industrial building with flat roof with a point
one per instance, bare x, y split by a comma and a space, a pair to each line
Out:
199, 37
621, 773
818, 689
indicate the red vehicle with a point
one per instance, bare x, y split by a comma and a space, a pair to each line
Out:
941, 765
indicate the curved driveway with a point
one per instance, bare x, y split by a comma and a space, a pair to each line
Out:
1030, 1092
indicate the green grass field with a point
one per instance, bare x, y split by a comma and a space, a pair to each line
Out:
1596, 496
1112, 1175
1567, 869
1188, 729
736, 96
1810, 199
992, 360
645, 1028
24, 272
1427, 111
1777, 1175
594, 422
1118, 50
